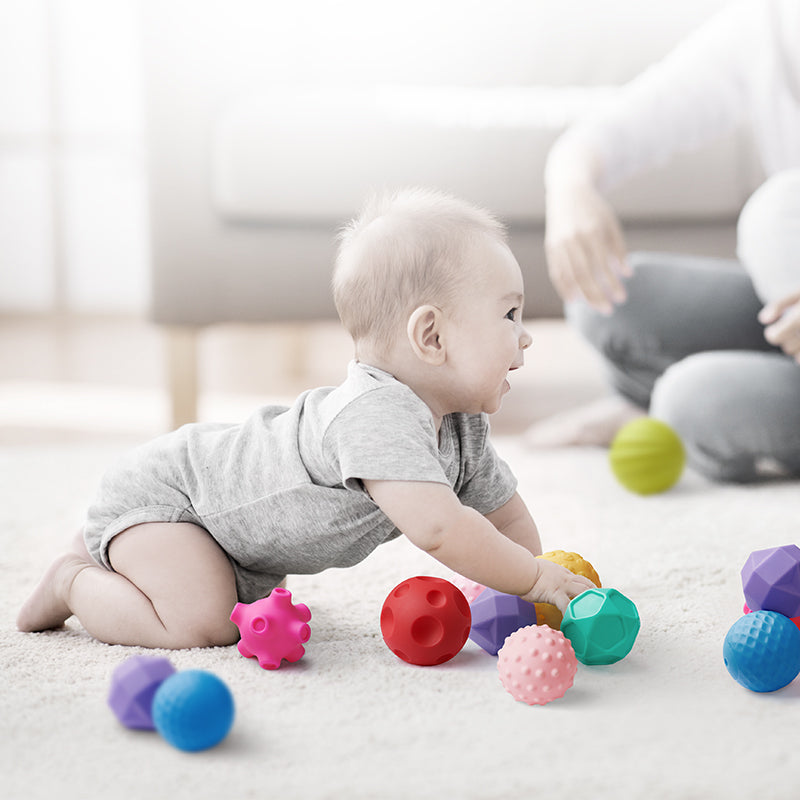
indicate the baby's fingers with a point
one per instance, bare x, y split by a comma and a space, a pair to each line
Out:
572, 589
561, 600
578, 586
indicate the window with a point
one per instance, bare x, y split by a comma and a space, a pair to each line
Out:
73, 230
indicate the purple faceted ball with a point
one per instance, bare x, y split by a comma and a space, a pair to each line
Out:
495, 616
133, 685
771, 580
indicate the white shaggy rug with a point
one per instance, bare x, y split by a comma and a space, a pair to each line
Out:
352, 721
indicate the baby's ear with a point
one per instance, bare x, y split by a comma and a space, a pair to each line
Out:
424, 334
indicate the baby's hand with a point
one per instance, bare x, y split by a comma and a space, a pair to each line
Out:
557, 585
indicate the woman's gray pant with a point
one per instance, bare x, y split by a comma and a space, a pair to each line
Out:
687, 345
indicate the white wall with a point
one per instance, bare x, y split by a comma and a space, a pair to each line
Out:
73, 223
73, 230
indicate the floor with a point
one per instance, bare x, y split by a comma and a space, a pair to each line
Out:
74, 378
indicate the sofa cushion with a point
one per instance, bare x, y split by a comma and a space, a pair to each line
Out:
293, 154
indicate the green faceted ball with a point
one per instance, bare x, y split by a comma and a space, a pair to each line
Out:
602, 625
647, 456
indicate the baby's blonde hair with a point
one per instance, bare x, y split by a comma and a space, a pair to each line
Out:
404, 249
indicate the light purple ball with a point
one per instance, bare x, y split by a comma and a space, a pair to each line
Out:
133, 685
495, 616
771, 580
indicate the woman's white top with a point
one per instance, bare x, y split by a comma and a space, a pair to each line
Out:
740, 67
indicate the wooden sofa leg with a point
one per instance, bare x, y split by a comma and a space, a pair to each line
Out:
182, 366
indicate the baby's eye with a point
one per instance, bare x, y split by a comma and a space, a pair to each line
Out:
512, 314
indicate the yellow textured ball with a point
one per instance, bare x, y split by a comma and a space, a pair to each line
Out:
647, 456
547, 614
574, 563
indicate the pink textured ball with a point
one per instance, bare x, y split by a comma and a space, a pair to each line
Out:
470, 589
537, 664
272, 628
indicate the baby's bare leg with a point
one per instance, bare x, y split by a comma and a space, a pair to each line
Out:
173, 587
47, 607
79, 547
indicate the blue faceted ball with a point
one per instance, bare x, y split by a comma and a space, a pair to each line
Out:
762, 651
193, 710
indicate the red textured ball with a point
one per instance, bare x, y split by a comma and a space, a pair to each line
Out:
425, 620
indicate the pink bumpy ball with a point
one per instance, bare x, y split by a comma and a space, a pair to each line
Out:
537, 664
425, 620
470, 589
273, 628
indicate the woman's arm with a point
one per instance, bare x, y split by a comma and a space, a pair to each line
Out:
696, 93
782, 319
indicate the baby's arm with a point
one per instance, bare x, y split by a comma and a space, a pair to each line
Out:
515, 522
433, 518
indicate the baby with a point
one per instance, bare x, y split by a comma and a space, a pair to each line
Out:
185, 526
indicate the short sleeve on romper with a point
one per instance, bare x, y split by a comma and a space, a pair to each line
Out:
385, 434
388, 434
486, 482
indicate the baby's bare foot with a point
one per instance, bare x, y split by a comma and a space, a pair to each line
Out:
46, 608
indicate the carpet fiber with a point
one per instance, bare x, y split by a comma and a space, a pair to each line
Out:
352, 721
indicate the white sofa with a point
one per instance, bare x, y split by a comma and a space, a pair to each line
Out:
268, 123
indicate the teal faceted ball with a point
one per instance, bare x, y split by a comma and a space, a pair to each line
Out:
602, 625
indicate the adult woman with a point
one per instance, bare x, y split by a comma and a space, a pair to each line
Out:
713, 350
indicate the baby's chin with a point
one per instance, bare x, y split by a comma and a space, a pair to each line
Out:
494, 405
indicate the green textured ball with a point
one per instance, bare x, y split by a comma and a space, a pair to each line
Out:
602, 625
647, 456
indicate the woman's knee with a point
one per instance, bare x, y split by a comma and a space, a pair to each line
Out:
694, 397
681, 397
768, 235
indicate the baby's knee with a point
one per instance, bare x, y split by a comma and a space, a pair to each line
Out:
205, 622
208, 631
222, 635
768, 236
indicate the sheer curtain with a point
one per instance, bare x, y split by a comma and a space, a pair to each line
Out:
73, 229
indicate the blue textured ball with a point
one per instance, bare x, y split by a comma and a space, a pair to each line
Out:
762, 651
193, 710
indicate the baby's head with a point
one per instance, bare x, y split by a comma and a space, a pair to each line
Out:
404, 250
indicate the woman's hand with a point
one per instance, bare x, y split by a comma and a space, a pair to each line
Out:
584, 245
782, 319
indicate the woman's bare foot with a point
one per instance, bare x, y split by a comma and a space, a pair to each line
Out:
47, 608
595, 424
